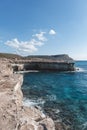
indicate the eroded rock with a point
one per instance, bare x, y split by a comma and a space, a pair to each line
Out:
13, 115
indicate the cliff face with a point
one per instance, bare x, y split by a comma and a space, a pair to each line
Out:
5, 67
51, 63
50, 66
13, 115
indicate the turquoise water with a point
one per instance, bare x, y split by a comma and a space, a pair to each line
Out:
63, 96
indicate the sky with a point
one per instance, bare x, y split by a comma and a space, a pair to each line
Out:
44, 27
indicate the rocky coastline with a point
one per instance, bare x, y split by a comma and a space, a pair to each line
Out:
44, 63
13, 114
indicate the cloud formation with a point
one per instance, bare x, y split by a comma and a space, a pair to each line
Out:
40, 36
27, 46
30, 46
52, 32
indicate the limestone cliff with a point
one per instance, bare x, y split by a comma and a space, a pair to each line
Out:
13, 115
45, 63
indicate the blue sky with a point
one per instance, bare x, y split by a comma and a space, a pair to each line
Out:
33, 27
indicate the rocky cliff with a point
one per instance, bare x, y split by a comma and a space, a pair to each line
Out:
13, 114
46, 63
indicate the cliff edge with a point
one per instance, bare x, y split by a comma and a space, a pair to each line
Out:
44, 63
13, 115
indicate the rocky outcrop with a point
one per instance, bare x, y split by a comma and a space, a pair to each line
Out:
5, 67
13, 114
48, 66
46, 63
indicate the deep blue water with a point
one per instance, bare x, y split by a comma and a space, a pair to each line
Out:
62, 95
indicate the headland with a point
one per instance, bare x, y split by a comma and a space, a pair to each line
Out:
13, 114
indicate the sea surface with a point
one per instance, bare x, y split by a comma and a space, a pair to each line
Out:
61, 95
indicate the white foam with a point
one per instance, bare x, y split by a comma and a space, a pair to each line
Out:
84, 126
51, 97
78, 69
27, 71
29, 103
57, 111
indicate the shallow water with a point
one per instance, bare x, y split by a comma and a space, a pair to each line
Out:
62, 95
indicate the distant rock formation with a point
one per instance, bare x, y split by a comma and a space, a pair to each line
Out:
62, 57
46, 63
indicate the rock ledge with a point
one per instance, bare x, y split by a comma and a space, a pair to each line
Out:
13, 115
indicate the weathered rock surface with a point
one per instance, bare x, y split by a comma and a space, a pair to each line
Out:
5, 67
45, 63
13, 115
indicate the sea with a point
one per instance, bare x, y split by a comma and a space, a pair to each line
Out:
60, 95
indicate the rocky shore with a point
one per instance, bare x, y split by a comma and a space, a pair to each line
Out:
44, 63
13, 114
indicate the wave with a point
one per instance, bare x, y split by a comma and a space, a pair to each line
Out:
34, 103
78, 69
26, 71
30, 102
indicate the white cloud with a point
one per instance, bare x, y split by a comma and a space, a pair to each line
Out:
27, 46
52, 32
31, 46
13, 43
40, 36
36, 43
